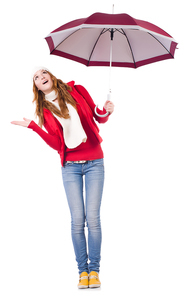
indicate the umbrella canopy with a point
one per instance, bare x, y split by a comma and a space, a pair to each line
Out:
134, 42
111, 40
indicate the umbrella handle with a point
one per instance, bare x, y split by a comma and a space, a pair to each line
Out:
104, 115
107, 113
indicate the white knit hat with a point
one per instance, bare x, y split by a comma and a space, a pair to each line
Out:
37, 69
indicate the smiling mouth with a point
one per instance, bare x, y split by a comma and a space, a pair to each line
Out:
45, 82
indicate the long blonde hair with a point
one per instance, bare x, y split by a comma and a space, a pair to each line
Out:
63, 97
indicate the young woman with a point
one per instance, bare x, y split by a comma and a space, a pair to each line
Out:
66, 111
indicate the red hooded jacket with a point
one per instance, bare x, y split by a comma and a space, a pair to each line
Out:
54, 138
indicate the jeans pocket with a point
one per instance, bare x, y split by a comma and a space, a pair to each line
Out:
67, 164
99, 162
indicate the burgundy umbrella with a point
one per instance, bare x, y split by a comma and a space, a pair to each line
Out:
116, 40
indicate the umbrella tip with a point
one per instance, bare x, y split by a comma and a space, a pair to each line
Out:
113, 8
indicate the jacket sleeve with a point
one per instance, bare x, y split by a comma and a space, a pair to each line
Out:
91, 104
51, 139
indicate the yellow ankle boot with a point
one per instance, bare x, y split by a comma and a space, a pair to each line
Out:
83, 280
94, 281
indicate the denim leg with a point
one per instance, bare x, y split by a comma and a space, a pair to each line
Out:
73, 184
94, 181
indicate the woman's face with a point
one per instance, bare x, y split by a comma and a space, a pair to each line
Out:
43, 81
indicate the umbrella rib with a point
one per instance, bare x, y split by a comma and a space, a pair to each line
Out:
129, 47
102, 32
161, 44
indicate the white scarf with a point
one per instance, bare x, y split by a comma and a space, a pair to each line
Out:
73, 131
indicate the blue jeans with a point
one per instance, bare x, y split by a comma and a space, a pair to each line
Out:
88, 210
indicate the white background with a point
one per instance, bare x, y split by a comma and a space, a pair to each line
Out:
148, 209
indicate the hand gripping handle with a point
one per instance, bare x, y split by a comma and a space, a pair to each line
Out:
107, 113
